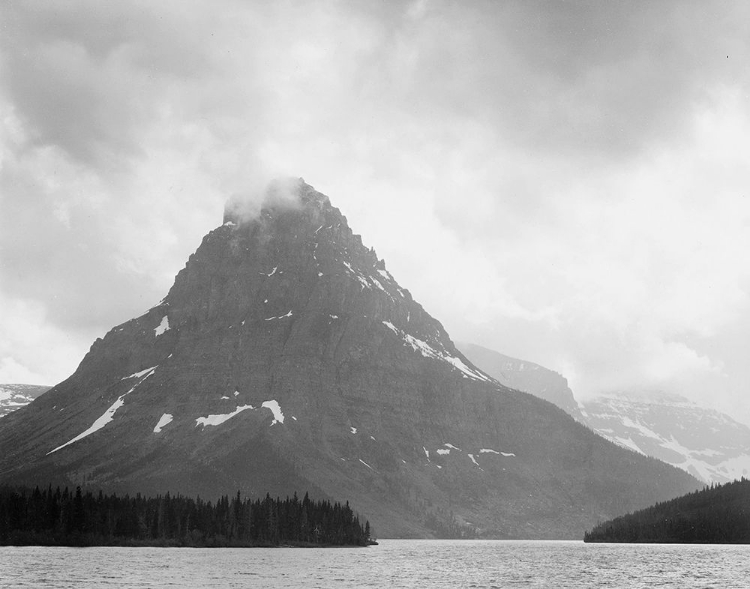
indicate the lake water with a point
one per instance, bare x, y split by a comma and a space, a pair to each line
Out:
394, 563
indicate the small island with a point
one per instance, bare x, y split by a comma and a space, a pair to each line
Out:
719, 514
55, 517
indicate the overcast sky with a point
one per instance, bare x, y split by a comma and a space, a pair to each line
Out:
563, 182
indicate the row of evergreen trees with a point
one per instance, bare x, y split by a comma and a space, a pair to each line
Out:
63, 517
719, 514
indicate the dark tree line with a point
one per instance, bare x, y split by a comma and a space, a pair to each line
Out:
719, 514
63, 517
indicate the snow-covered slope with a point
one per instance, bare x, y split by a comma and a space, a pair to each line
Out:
15, 396
708, 444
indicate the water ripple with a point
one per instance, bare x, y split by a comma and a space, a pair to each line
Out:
402, 564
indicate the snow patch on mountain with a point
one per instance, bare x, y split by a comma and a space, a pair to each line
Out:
140, 373
474, 460
107, 417
362, 280
289, 314
218, 419
645, 431
491, 451
16, 401
162, 327
380, 286
163, 420
385, 274
626, 443
278, 416
709, 445
15, 396
429, 352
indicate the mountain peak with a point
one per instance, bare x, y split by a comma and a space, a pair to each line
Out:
281, 194
286, 358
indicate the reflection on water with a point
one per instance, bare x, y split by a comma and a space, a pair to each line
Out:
394, 563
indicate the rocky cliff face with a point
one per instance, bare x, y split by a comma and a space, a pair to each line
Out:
524, 376
287, 358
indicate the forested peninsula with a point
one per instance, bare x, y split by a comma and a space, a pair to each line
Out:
55, 517
719, 514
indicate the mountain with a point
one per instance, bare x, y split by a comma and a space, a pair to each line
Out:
706, 443
524, 376
15, 396
286, 358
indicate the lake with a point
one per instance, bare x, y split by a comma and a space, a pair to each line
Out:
394, 563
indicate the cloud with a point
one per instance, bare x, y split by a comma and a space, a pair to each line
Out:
651, 252
90, 79
595, 80
34, 351
563, 182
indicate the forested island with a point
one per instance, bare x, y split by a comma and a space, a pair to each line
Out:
55, 517
719, 514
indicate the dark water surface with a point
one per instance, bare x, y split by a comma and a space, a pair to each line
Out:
395, 563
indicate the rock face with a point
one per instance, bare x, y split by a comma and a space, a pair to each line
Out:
524, 376
15, 396
709, 445
286, 358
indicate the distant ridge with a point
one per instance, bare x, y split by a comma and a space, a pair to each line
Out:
15, 396
524, 376
708, 444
